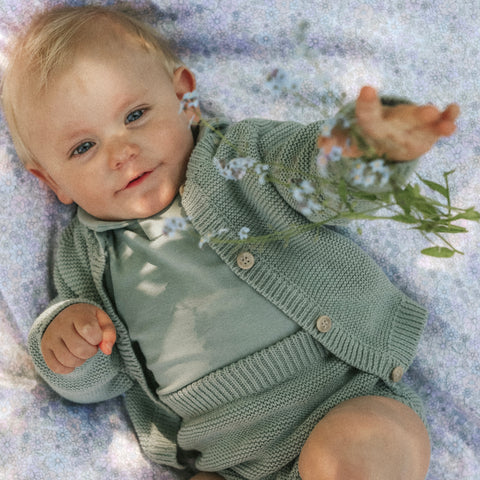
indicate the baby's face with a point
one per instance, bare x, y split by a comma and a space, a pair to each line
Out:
108, 135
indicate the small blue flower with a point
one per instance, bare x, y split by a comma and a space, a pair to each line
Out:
261, 169
378, 166
298, 194
357, 172
345, 122
335, 154
307, 187
370, 174
205, 239
323, 159
174, 225
385, 177
304, 194
368, 180
322, 163
235, 169
327, 127
190, 99
304, 210
243, 233
314, 206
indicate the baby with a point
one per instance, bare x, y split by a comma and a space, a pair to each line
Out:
279, 361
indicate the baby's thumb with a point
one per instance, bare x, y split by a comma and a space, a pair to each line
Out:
109, 332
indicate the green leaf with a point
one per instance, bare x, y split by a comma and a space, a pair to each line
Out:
469, 214
433, 227
371, 197
449, 229
439, 252
404, 199
424, 206
404, 219
342, 191
435, 186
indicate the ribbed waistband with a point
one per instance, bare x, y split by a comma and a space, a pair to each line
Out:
255, 373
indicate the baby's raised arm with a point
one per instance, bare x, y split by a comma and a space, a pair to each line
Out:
402, 132
75, 335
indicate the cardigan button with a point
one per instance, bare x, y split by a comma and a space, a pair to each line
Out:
181, 190
245, 260
324, 324
397, 374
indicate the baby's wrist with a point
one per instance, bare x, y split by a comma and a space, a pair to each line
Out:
354, 142
361, 144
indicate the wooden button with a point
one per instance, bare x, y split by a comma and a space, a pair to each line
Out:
245, 260
397, 374
324, 324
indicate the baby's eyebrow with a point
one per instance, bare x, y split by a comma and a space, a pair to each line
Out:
127, 103
73, 133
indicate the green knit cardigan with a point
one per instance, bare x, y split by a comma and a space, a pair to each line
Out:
320, 273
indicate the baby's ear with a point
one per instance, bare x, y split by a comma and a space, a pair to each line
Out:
183, 81
42, 175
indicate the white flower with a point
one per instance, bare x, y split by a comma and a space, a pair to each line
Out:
370, 174
235, 169
243, 233
378, 166
307, 187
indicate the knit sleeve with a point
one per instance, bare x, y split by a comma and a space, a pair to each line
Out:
99, 378
320, 185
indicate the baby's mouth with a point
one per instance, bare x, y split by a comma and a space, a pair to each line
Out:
138, 180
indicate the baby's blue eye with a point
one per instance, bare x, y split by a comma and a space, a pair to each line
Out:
83, 148
132, 117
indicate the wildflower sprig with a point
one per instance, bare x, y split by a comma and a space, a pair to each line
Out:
367, 191
433, 218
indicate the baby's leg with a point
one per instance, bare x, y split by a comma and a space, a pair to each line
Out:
367, 438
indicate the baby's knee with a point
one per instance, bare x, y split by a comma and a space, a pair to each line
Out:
367, 438
322, 462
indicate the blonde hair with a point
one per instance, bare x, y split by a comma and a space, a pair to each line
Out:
48, 47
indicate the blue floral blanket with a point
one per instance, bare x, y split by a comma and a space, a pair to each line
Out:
426, 51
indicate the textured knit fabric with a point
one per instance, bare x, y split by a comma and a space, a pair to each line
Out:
188, 312
255, 415
375, 327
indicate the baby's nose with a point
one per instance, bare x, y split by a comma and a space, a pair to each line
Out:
122, 152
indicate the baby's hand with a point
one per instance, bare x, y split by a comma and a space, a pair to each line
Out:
403, 132
75, 335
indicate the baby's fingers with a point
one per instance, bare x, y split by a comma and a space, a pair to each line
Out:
88, 328
451, 113
79, 347
441, 123
59, 356
109, 334
446, 124
368, 108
